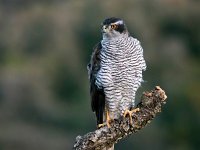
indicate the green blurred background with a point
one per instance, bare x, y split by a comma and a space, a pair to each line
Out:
45, 46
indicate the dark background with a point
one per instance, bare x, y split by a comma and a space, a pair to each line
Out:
44, 90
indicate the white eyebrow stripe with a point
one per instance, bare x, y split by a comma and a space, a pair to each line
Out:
119, 22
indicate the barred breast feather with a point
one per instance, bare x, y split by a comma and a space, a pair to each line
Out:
120, 72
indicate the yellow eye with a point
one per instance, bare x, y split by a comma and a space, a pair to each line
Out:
113, 26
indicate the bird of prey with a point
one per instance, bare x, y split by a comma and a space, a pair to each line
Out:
115, 72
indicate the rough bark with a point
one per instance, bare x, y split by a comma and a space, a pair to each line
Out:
103, 138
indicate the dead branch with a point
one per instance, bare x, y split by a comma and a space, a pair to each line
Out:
150, 105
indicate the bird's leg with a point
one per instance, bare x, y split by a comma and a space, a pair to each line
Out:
108, 119
130, 112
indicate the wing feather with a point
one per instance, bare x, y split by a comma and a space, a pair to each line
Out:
97, 95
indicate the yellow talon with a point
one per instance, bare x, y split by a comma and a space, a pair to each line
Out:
101, 125
108, 120
130, 112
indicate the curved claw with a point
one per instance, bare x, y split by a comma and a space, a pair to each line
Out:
130, 112
101, 125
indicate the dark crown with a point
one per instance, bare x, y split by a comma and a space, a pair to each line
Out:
108, 21
121, 27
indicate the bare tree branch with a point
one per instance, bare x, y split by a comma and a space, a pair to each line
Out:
150, 105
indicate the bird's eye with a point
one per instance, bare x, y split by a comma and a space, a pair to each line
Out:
113, 26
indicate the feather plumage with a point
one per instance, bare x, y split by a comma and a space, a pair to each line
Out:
97, 95
115, 71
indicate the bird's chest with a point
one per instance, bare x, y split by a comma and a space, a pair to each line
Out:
115, 64
113, 53
116, 57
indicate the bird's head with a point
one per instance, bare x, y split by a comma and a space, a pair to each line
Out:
113, 27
